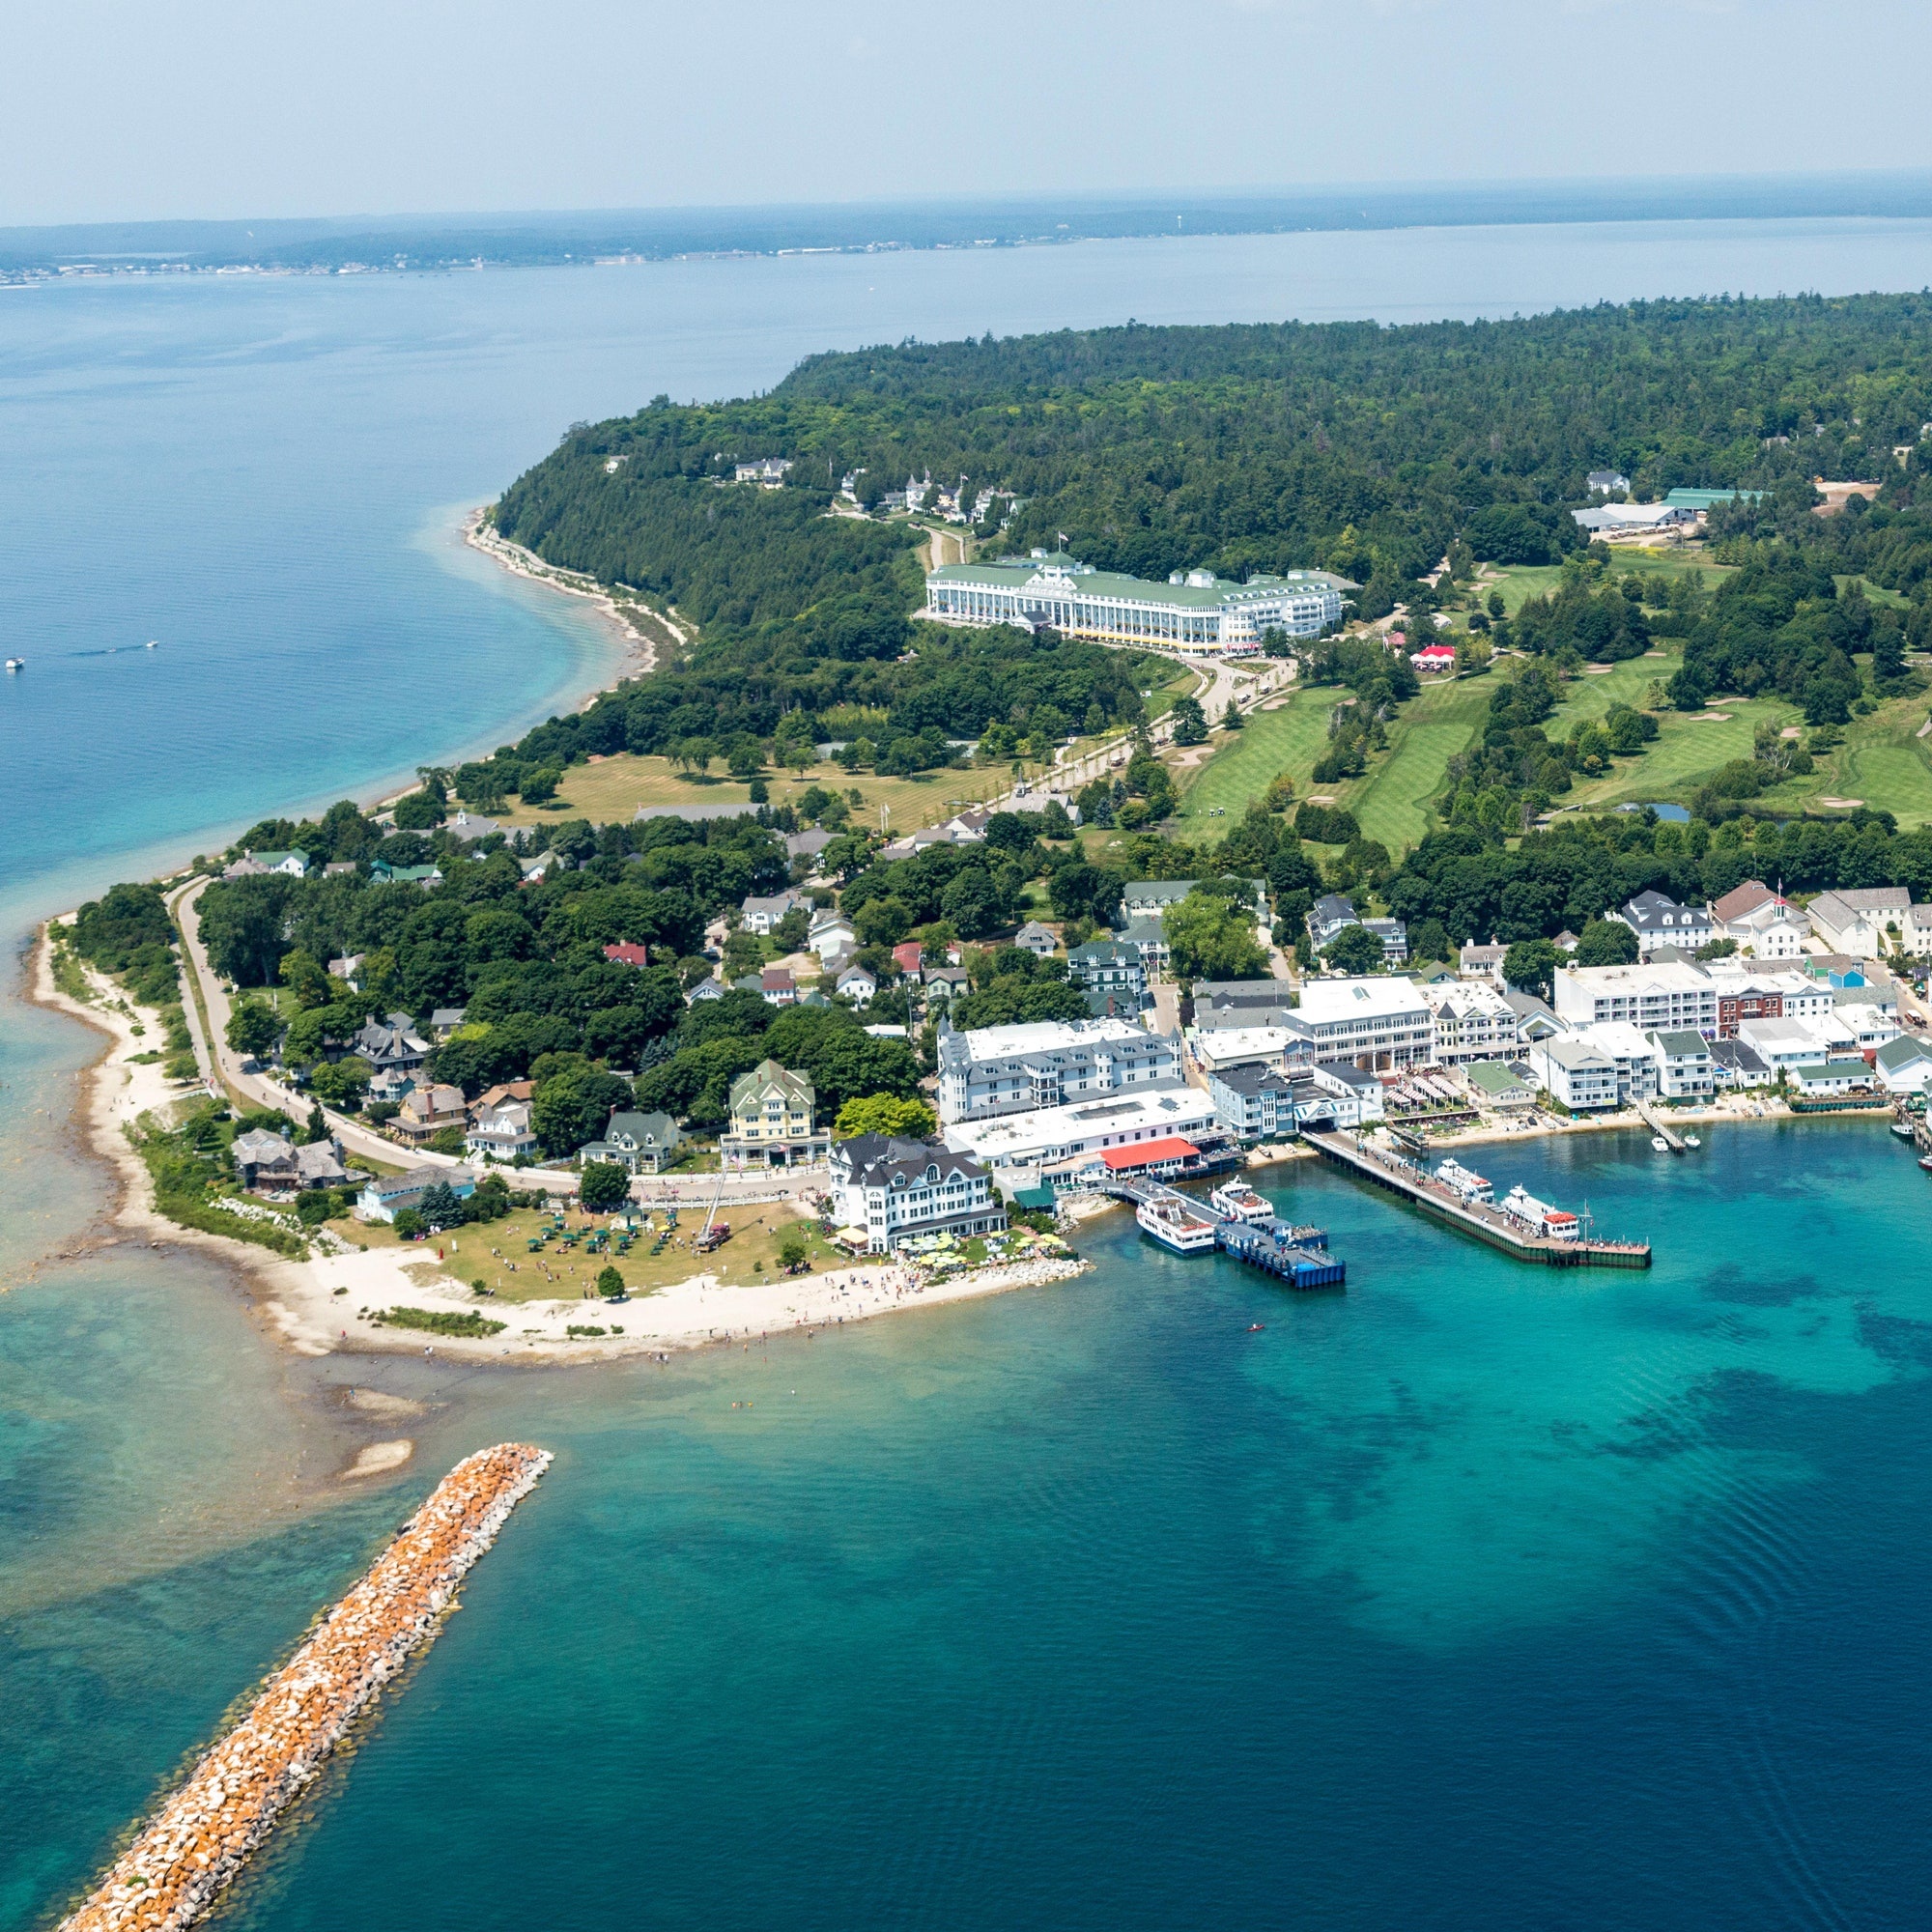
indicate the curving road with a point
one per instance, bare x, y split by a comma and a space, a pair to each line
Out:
223, 1066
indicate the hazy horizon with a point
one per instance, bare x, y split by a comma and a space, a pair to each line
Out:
217, 111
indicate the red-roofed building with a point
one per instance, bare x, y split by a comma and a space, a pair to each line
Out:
909, 957
627, 954
778, 986
1434, 657
1158, 1158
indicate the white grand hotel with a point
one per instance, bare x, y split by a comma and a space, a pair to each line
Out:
1193, 610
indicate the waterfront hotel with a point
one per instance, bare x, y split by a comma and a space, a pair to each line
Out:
1191, 612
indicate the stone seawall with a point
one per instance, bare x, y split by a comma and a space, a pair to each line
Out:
203, 1834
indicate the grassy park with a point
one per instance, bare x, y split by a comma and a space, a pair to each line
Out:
498, 1251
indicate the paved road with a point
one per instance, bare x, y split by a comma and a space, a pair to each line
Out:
224, 1068
259, 1089
1249, 683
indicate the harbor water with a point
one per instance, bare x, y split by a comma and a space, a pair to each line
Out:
1478, 1596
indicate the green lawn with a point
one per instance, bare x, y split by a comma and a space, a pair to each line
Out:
1883, 761
1391, 801
1287, 740
1522, 581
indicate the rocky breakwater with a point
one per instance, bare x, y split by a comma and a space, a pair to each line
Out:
203, 1834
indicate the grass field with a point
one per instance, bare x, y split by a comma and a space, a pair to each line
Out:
499, 1253
615, 788
1520, 583
1390, 800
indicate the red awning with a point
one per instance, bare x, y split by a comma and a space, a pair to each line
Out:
1148, 1153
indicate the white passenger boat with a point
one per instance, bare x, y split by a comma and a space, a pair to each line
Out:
1177, 1228
1465, 1182
16, 664
1240, 1202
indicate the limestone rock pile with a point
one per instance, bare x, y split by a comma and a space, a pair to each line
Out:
202, 1835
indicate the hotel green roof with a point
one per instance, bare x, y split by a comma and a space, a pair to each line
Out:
1010, 574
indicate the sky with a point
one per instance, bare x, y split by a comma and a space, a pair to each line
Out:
150, 109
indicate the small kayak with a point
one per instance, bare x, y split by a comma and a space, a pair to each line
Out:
1256, 1327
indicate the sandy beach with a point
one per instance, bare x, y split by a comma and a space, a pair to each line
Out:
639, 646
328, 1304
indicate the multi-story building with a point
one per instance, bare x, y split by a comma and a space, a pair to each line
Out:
1253, 1101
1664, 996
1746, 995
1377, 1023
1054, 1136
1329, 917
1858, 921
1685, 1069
1021, 1069
1658, 919
1286, 1046
900, 1189
772, 1122
1631, 1052
1781, 1045
1241, 1003
1574, 1073
1108, 966
1193, 613
501, 1133
1469, 1020
1763, 922
1150, 899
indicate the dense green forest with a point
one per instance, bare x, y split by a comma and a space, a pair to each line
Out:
1349, 445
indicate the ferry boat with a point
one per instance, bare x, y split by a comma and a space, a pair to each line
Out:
1240, 1202
1177, 1228
1465, 1182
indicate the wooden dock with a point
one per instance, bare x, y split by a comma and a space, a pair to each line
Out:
1659, 1127
1473, 1218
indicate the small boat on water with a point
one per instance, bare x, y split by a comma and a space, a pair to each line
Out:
1662, 1145
16, 664
1256, 1327
1904, 1129
1926, 1161
1240, 1202
1177, 1228
1692, 1140
151, 644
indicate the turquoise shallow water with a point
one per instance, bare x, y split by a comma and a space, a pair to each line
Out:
1481, 1595
1477, 1596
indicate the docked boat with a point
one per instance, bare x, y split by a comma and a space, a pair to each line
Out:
1926, 1161
1240, 1202
1691, 1141
1177, 1228
1662, 1145
1465, 1182
1904, 1129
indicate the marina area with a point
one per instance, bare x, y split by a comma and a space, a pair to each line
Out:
1521, 1226
1236, 1222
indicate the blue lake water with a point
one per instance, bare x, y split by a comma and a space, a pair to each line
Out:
1480, 1596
